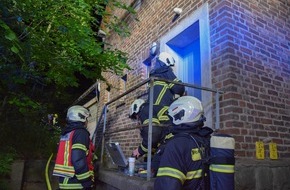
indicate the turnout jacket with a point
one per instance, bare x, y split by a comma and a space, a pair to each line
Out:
74, 158
158, 133
164, 92
181, 165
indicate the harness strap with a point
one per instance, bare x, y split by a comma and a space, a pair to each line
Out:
205, 185
205, 163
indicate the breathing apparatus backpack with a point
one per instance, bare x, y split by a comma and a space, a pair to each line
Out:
218, 162
222, 162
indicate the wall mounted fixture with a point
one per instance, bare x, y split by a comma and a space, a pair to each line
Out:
177, 12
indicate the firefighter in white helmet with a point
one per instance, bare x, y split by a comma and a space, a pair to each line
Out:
164, 92
75, 154
166, 59
181, 164
139, 110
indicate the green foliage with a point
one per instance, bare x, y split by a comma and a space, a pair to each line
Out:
45, 48
23, 103
6, 159
59, 38
47, 44
10, 40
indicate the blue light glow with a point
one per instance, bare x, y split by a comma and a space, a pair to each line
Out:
187, 46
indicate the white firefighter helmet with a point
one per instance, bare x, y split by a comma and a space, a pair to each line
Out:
166, 58
135, 107
77, 113
186, 109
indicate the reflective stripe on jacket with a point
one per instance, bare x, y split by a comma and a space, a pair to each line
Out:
74, 164
63, 166
181, 164
157, 132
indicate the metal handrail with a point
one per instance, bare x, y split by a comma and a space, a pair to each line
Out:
151, 92
111, 101
128, 91
95, 85
132, 128
97, 126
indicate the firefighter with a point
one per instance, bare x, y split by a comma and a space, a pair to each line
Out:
74, 159
182, 162
140, 110
164, 92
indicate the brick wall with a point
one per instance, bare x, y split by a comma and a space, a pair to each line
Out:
250, 57
251, 63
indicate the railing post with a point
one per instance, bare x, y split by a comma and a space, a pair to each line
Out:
150, 129
103, 134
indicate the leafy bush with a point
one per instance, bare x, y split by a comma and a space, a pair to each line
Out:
6, 159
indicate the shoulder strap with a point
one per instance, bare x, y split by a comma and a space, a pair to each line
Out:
67, 136
203, 144
204, 149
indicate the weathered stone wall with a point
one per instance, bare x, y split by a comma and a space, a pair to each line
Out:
30, 175
262, 175
249, 175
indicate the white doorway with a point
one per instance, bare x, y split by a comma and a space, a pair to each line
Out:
189, 44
